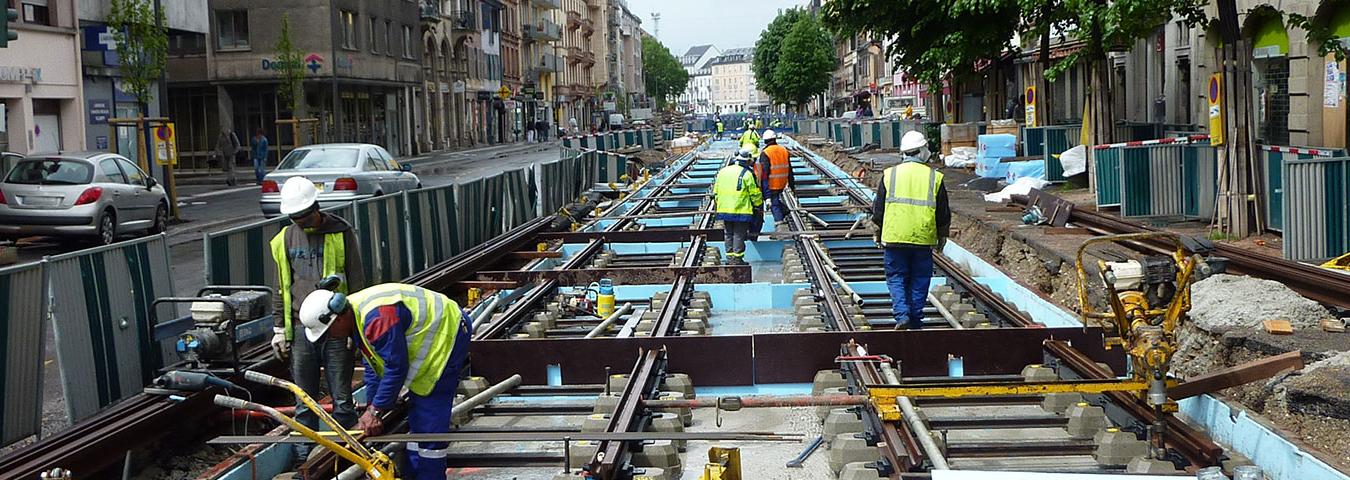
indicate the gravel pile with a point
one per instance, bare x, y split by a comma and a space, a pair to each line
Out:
1223, 302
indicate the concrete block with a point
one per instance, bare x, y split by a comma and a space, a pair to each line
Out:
696, 313
812, 309
678, 382
463, 417
959, 308
820, 329
842, 420
972, 319
824, 410
705, 296
1060, 402
646, 325
472, 386
660, 295
1234, 460
1039, 373
1085, 421
645, 473
617, 382
1149, 466
849, 448
860, 471
596, 422
695, 325
803, 300
1116, 447
606, 404
700, 303
810, 321
535, 330
651, 314
827, 379
667, 422
656, 306
582, 452
658, 453
686, 415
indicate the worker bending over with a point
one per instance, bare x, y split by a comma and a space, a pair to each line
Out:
910, 211
736, 194
319, 245
774, 169
410, 337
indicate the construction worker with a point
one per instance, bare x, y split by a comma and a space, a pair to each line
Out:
775, 175
750, 140
721, 128
912, 216
736, 194
319, 245
409, 337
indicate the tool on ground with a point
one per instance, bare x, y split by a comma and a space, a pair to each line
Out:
806, 452
724, 463
604, 300
374, 463
188, 381
223, 320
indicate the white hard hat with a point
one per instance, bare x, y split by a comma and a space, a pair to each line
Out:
770, 135
745, 152
297, 195
912, 140
318, 310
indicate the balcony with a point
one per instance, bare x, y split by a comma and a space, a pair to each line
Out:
573, 20
588, 58
547, 63
594, 3
548, 4
464, 20
430, 11
574, 54
587, 27
542, 30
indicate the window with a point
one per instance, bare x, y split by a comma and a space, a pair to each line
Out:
35, 11
111, 173
388, 37
186, 43
348, 20
374, 163
232, 29
407, 42
370, 36
134, 174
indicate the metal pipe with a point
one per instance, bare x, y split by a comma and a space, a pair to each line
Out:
484, 312
595, 332
486, 395
947, 314
930, 448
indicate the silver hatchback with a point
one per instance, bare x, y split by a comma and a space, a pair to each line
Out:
343, 172
92, 194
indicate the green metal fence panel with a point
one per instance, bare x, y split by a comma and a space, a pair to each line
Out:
432, 222
1107, 163
381, 230
1274, 158
1033, 141
23, 316
101, 320
1200, 180
854, 135
242, 255
1058, 140
1153, 181
1316, 208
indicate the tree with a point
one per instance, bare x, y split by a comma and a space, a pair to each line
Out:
767, 48
290, 62
142, 46
662, 73
806, 64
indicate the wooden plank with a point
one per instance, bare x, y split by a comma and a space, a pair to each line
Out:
1278, 327
534, 255
1237, 375
1333, 326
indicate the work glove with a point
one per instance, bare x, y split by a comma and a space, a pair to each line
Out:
280, 347
876, 238
941, 245
370, 423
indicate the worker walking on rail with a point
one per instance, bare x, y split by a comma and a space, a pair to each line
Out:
410, 337
775, 174
721, 128
318, 245
750, 140
912, 216
736, 194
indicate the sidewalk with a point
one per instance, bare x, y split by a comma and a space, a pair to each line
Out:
244, 176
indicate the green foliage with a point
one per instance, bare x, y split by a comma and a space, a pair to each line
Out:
664, 75
1104, 26
142, 47
290, 62
806, 64
767, 48
1320, 34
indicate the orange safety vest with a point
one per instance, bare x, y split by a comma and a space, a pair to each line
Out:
780, 169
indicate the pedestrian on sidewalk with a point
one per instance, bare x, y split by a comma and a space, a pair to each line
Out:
258, 146
911, 213
736, 195
775, 175
317, 246
227, 146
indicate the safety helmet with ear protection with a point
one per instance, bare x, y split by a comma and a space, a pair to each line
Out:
318, 311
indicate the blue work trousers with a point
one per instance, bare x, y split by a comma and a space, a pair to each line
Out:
259, 170
431, 414
777, 205
909, 271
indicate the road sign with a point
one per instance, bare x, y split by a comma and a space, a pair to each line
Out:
166, 144
1031, 106
504, 92
1215, 94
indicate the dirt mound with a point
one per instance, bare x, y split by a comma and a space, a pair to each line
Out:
1222, 302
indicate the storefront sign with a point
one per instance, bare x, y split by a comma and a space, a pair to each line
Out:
1031, 106
20, 74
1215, 94
101, 142
313, 62
459, 86
99, 111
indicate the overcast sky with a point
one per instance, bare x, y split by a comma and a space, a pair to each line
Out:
724, 23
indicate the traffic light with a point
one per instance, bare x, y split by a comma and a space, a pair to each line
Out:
6, 35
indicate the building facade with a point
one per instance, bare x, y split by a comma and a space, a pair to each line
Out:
733, 83
576, 92
698, 97
541, 64
40, 81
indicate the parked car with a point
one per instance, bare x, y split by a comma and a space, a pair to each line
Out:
94, 194
343, 172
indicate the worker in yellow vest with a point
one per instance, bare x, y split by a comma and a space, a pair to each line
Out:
316, 246
750, 140
911, 213
737, 196
410, 337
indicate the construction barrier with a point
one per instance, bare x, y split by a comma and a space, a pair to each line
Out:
381, 227
1318, 218
1164, 177
563, 181
1273, 159
102, 320
433, 235
1048, 143
22, 336
242, 255
613, 140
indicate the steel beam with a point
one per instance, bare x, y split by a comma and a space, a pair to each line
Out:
624, 276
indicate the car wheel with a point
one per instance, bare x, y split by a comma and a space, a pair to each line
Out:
161, 219
107, 228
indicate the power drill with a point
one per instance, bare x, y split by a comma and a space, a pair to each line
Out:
191, 381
